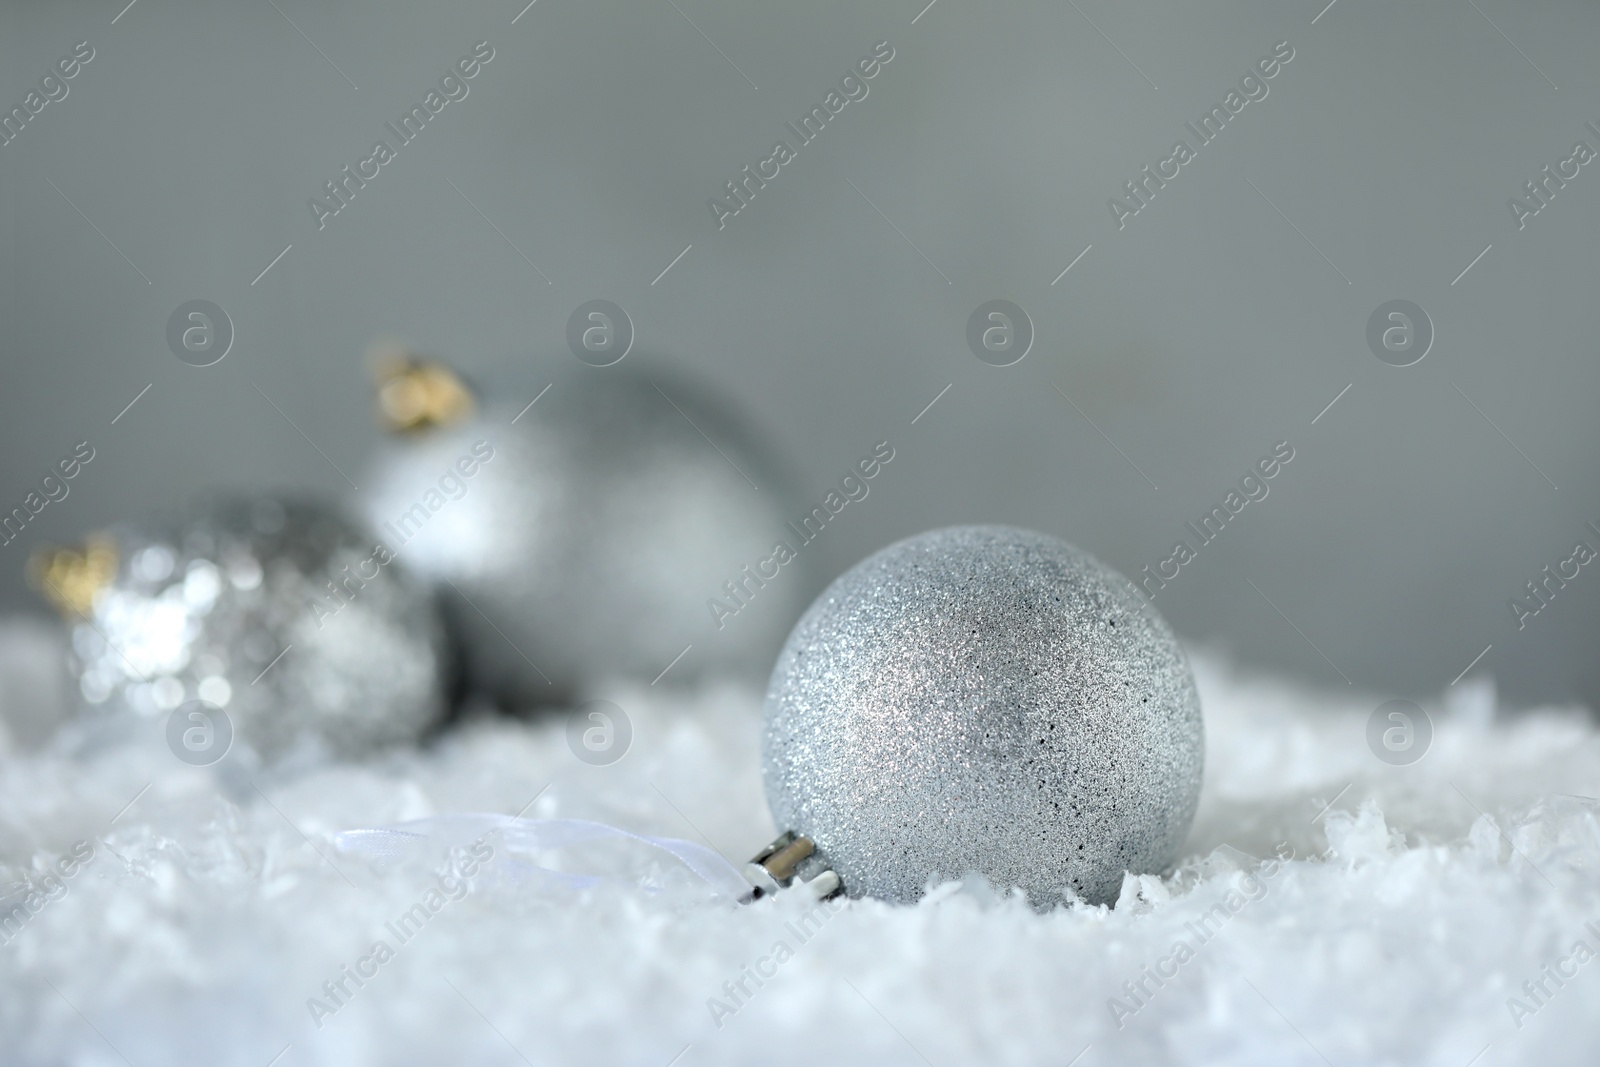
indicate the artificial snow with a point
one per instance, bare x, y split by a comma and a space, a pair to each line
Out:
1331, 908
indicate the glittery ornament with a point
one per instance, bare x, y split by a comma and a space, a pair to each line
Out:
579, 538
983, 699
281, 613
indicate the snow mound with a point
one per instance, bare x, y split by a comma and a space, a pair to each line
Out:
1330, 908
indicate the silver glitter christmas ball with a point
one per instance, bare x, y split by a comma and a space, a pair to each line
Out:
279, 612
983, 699
579, 540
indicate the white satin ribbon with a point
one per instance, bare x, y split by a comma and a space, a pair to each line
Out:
421, 838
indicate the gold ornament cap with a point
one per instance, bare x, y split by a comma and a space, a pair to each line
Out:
71, 577
416, 395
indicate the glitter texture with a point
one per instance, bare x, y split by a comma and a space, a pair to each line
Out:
984, 699
587, 548
206, 608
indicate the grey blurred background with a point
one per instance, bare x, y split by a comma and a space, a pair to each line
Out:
1176, 352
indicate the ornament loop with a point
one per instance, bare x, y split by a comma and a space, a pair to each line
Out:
420, 838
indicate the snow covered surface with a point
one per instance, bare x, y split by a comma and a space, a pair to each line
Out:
1413, 905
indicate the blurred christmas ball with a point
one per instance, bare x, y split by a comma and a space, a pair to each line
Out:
983, 699
581, 537
280, 612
